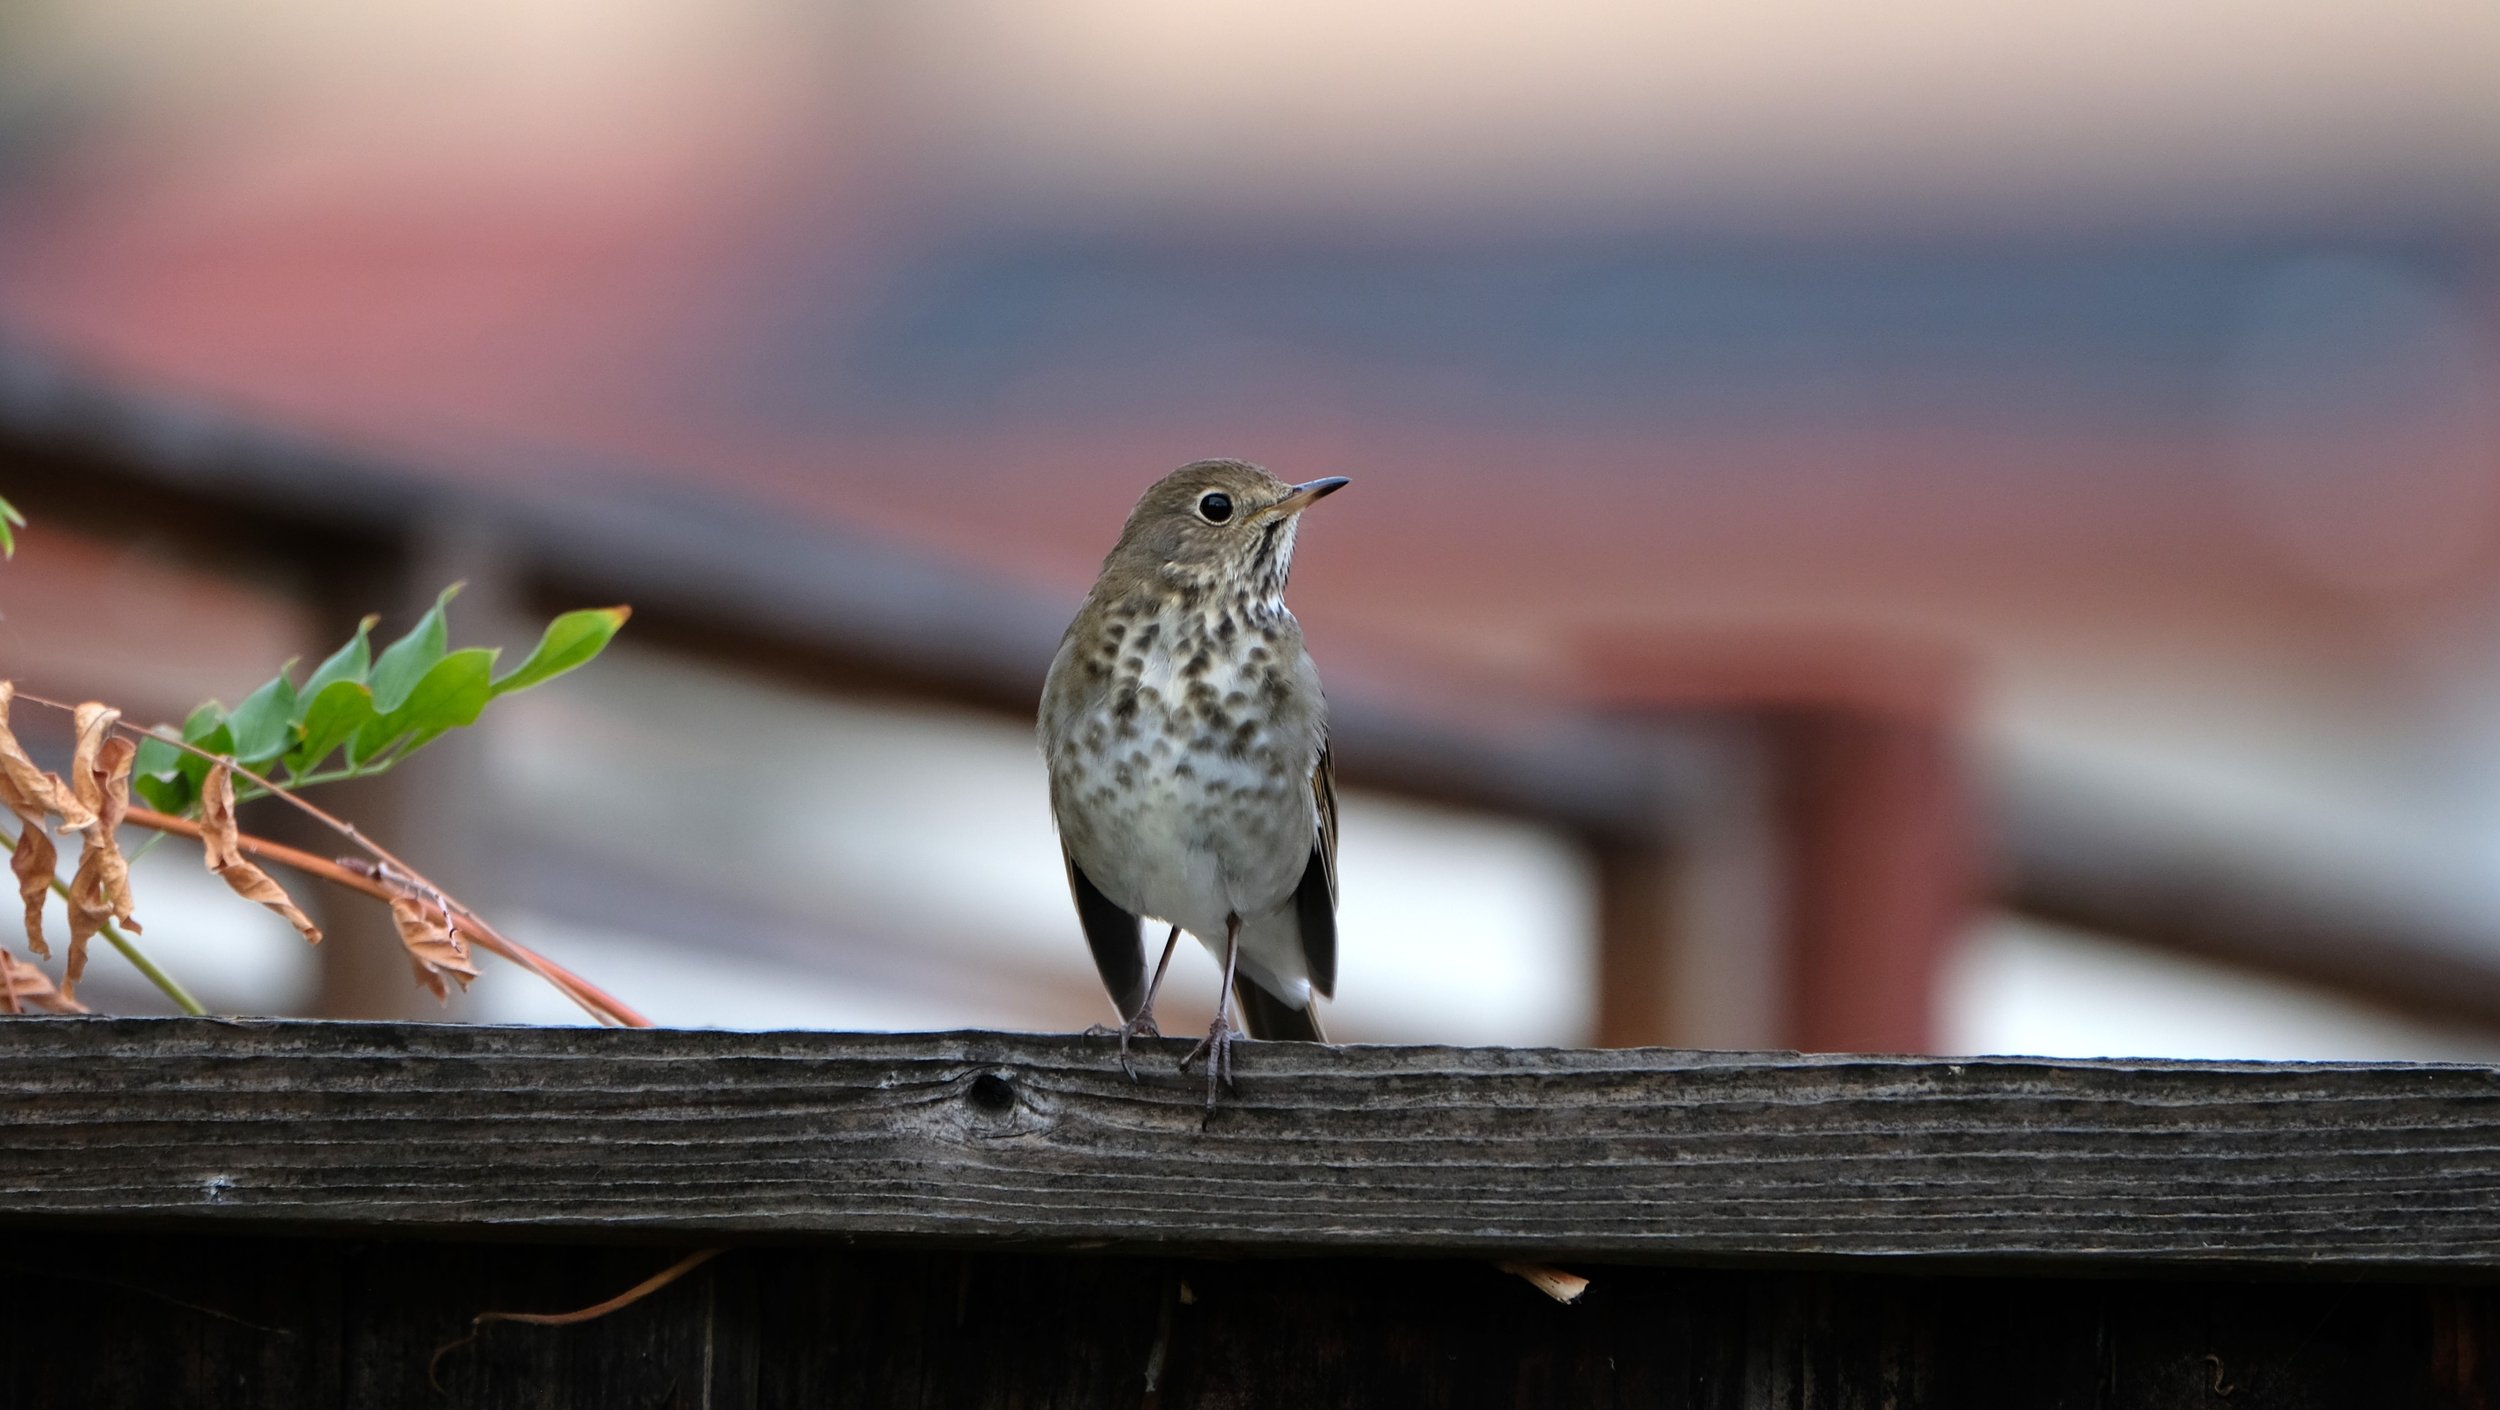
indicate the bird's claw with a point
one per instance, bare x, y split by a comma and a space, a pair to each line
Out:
1142, 1026
1217, 1049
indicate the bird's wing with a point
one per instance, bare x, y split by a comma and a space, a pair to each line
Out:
1263, 1015
1315, 900
1112, 933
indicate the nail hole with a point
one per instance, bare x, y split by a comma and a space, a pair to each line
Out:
992, 1093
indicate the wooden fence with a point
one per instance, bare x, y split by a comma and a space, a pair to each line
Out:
220, 1213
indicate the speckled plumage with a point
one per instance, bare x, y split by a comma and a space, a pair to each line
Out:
1186, 738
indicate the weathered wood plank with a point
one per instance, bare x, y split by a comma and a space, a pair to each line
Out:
987, 1139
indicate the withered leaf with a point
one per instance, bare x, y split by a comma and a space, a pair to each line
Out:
105, 787
94, 723
217, 829
28, 791
21, 982
100, 889
86, 916
433, 950
1562, 1287
33, 862
223, 851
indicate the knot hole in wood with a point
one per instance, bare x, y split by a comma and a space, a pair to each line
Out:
992, 1093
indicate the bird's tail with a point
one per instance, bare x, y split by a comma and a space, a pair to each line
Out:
1263, 1015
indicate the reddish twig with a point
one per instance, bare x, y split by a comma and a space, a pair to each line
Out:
596, 1001
627, 1298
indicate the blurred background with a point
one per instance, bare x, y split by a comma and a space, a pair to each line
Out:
1934, 527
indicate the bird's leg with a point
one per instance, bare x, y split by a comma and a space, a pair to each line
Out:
1143, 1025
1218, 1047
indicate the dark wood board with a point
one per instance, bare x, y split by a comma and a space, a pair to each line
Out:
988, 1140
111, 1319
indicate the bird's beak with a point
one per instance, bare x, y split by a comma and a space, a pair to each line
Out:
1305, 494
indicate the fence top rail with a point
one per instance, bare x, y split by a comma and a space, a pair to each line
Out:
974, 1138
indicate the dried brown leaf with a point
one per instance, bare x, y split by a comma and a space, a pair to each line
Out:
28, 791
253, 884
20, 981
222, 848
33, 862
217, 829
86, 917
433, 949
1562, 1287
1551, 1281
99, 890
105, 787
94, 723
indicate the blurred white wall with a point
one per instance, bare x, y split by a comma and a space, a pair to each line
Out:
2019, 987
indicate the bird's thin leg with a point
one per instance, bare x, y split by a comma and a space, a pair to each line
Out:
1143, 1025
1218, 1047
1145, 1019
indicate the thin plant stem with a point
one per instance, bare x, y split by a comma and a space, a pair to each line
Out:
371, 768
165, 983
146, 845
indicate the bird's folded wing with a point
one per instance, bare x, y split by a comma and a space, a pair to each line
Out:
1315, 900
1119, 950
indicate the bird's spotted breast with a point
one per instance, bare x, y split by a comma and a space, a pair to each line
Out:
1195, 805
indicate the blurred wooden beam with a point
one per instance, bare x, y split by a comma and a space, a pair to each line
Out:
2080, 852
727, 577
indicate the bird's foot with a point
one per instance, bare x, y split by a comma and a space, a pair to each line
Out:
1217, 1049
1142, 1026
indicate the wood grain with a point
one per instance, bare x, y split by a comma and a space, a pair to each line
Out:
119, 1319
987, 1139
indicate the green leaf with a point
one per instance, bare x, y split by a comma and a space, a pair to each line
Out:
9, 517
450, 695
156, 773
407, 660
157, 757
263, 724
202, 722
348, 663
166, 795
570, 640
334, 715
195, 769
205, 729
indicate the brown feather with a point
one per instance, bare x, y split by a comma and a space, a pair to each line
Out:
1315, 905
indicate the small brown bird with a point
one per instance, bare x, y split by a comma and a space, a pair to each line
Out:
1188, 750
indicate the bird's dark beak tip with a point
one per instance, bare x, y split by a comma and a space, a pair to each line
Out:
1323, 488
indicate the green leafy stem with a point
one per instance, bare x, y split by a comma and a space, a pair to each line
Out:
356, 715
359, 714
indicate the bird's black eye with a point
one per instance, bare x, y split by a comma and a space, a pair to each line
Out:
1215, 508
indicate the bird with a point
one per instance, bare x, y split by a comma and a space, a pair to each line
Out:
1186, 740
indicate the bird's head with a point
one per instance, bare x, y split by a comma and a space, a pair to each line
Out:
1226, 523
